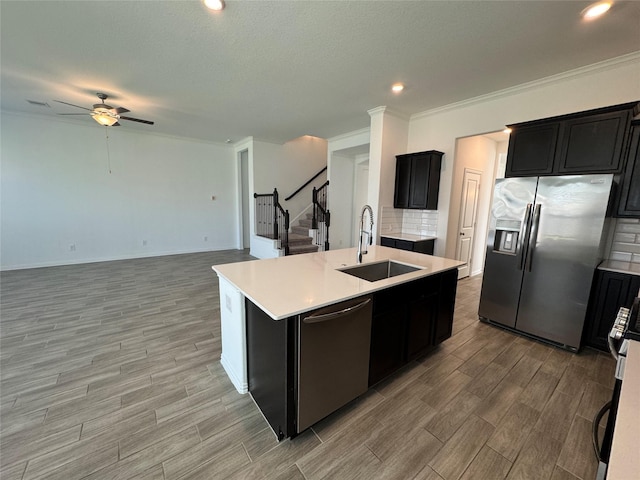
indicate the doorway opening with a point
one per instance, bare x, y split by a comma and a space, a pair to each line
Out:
478, 161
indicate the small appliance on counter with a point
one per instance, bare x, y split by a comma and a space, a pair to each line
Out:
546, 237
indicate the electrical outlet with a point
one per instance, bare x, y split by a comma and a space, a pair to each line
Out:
206, 239
72, 247
228, 302
144, 243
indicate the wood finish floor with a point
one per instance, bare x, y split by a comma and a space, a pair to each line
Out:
111, 371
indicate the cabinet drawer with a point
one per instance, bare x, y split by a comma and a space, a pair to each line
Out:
404, 245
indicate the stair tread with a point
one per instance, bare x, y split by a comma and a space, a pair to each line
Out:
298, 249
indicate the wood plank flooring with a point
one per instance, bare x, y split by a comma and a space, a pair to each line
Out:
111, 371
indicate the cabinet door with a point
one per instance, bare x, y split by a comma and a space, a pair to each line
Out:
403, 180
422, 296
419, 186
593, 144
612, 290
425, 180
404, 245
629, 204
532, 150
387, 344
388, 242
425, 246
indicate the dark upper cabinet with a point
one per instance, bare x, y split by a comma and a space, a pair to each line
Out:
593, 144
611, 290
579, 143
418, 180
629, 204
532, 149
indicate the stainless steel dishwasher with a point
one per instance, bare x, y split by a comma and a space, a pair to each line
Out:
333, 358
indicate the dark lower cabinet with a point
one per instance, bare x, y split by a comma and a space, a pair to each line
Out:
387, 344
409, 320
443, 325
270, 367
420, 246
611, 290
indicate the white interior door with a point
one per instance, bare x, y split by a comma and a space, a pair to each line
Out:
468, 209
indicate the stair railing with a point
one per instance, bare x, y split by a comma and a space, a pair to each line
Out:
321, 219
272, 221
305, 184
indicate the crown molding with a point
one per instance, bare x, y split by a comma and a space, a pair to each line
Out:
388, 111
629, 58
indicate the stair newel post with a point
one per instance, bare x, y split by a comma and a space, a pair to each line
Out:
327, 220
314, 200
275, 213
285, 234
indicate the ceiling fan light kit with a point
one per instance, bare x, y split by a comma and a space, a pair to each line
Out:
105, 114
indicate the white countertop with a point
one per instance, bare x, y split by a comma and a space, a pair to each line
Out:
407, 236
624, 462
620, 267
287, 286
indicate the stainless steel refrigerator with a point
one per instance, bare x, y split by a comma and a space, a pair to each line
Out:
546, 237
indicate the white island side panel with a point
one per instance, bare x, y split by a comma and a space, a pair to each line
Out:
234, 335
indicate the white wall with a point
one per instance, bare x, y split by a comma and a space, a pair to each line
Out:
346, 195
477, 153
342, 197
284, 167
609, 83
287, 167
388, 139
56, 191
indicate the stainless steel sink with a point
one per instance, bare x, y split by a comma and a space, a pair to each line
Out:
373, 272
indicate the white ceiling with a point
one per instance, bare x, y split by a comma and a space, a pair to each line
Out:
280, 69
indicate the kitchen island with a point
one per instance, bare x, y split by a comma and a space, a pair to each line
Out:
263, 301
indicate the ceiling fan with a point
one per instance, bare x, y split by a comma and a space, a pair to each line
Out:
105, 114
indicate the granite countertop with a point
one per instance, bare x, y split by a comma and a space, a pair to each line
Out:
620, 267
287, 286
407, 236
624, 461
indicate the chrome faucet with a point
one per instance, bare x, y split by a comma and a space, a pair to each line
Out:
369, 234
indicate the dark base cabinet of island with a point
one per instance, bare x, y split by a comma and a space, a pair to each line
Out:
405, 321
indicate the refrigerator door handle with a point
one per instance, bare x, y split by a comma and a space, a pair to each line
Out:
524, 234
533, 237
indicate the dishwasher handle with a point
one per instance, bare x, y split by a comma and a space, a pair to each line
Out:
324, 317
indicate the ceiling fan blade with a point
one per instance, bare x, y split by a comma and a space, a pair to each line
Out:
77, 106
136, 120
120, 110
73, 114
115, 124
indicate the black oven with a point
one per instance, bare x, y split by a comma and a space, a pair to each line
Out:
626, 327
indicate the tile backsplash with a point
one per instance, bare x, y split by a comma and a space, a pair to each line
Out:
416, 222
626, 240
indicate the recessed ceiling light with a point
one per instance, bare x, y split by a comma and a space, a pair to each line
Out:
214, 4
506, 130
596, 9
397, 87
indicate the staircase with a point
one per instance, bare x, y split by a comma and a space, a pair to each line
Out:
299, 239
